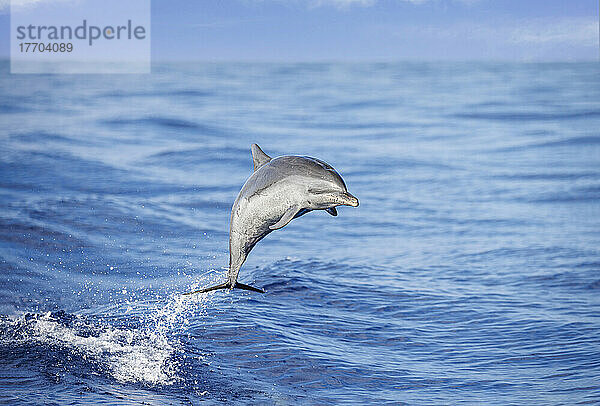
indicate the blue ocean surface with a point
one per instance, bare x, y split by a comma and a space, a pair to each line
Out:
469, 274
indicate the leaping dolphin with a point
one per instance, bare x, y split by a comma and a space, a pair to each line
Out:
279, 190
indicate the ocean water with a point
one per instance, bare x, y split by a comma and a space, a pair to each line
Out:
470, 272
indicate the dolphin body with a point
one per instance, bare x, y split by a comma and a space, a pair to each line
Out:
279, 190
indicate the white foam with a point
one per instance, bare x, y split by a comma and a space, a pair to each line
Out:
145, 355
127, 355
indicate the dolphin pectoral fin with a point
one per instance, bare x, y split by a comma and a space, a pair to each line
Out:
225, 285
247, 287
286, 218
259, 157
332, 211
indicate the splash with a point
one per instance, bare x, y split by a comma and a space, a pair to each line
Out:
148, 354
127, 355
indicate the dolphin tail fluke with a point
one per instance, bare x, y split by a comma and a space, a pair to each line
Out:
247, 287
226, 285
216, 287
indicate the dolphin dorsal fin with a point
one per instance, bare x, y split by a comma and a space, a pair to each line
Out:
259, 157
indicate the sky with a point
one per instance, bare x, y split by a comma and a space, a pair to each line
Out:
367, 30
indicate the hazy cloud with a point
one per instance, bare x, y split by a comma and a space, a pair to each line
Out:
582, 31
367, 3
520, 39
567, 30
24, 4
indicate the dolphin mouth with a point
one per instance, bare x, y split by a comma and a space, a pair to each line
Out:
349, 199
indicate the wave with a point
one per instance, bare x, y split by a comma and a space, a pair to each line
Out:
581, 141
11, 108
587, 140
165, 122
222, 155
126, 355
193, 93
548, 176
581, 194
143, 351
37, 137
529, 116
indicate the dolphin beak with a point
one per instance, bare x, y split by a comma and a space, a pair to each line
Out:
349, 200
